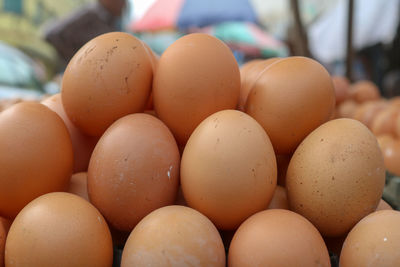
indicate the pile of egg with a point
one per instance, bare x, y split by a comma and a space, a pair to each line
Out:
187, 160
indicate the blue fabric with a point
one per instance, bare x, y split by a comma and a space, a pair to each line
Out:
200, 13
13, 6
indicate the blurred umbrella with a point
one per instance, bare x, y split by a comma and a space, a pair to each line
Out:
184, 14
247, 37
232, 21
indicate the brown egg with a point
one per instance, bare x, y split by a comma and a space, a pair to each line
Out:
346, 109
363, 91
374, 241
385, 121
397, 127
391, 155
228, 169
367, 111
249, 75
196, 76
279, 199
341, 85
35, 155
336, 176
384, 141
134, 170
288, 104
108, 78
82, 144
395, 101
59, 229
174, 236
383, 205
282, 162
78, 185
277, 238
4, 226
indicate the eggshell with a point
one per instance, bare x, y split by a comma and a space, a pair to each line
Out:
336, 176
346, 109
288, 104
249, 75
374, 241
383, 205
4, 226
367, 112
397, 127
78, 185
35, 155
385, 121
279, 199
277, 238
196, 76
82, 144
391, 154
108, 78
342, 86
59, 229
174, 236
134, 170
228, 169
395, 101
363, 91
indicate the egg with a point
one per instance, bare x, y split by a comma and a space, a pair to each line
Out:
36, 155
4, 226
383, 205
108, 78
134, 170
228, 169
249, 75
78, 185
397, 127
196, 76
174, 236
341, 85
395, 101
363, 91
336, 176
391, 154
288, 104
385, 121
279, 199
346, 109
59, 229
374, 241
277, 238
367, 112
82, 144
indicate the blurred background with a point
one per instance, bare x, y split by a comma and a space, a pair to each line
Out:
359, 39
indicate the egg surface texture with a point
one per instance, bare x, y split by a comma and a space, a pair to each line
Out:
196, 76
228, 169
336, 176
36, 155
108, 78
